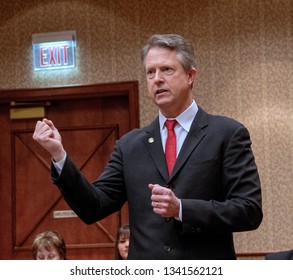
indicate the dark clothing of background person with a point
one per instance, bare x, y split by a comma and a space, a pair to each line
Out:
282, 255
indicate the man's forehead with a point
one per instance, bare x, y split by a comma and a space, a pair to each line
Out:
161, 56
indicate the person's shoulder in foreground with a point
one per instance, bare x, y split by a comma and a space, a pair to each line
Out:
281, 255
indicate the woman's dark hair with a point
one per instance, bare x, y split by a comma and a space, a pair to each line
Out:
122, 232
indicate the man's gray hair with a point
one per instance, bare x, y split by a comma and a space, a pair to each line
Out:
173, 42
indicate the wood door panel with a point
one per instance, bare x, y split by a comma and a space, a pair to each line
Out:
90, 121
35, 197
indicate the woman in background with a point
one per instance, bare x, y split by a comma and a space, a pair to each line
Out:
122, 242
49, 245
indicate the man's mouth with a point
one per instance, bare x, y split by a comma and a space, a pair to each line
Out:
160, 91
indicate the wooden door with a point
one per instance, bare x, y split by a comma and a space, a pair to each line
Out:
90, 119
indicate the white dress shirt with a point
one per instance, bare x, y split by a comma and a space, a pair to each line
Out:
184, 120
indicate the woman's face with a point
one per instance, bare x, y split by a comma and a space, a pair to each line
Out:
123, 244
44, 254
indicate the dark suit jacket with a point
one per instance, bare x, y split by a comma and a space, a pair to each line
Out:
282, 255
215, 176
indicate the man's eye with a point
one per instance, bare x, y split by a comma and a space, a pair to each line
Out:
168, 70
150, 73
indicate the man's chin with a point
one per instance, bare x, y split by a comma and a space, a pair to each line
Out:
162, 100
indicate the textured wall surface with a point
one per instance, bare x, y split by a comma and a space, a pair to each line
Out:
245, 71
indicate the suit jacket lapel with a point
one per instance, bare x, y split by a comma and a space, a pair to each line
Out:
153, 143
193, 138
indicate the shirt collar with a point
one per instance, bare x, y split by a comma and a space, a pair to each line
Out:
185, 119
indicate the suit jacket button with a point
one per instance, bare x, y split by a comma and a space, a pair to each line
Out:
198, 230
167, 248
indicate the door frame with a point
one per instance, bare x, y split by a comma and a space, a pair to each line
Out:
33, 96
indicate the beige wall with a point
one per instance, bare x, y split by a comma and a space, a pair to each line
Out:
245, 55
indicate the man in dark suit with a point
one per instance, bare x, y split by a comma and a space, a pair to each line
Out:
212, 191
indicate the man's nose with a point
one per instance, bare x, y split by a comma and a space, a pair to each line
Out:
158, 76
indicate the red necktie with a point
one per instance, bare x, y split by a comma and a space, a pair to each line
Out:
170, 149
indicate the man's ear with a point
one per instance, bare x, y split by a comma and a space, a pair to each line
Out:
191, 75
